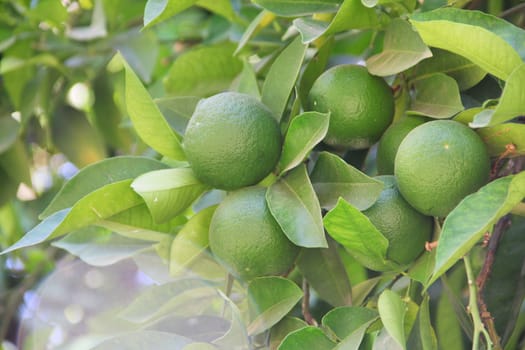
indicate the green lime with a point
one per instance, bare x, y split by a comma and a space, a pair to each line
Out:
232, 140
438, 164
246, 239
390, 141
406, 229
361, 105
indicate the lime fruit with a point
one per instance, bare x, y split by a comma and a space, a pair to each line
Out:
438, 164
361, 106
232, 140
246, 239
390, 141
406, 229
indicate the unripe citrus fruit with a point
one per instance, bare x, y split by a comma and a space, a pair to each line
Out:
246, 239
390, 141
438, 164
361, 105
406, 229
232, 140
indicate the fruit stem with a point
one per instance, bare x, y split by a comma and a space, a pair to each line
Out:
479, 328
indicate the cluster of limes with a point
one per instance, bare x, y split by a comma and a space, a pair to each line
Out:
233, 141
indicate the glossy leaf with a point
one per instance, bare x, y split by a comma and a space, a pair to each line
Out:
139, 217
354, 231
307, 338
474, 216
511, 103
98, 205
147, 119
513, 35
344, 19
466, 73
168, 192
402, 49
344, 321
97, 175
353, 341
325, 272
40, 232
497, 138
143, 339
305, 131
314, 68
178, 110
332, 178
270, 299
99, 247
293, 8
437, 96
203, 71
281, 78
191, 240
283, 328
293, 203
392, 311
458, 31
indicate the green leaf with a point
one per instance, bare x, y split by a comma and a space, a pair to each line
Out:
422, 269
141, 50
358, 235
305, 131
260, 21
344, 19
402, 49
203, 71
283, 328
157, 11
293, 203
314, 68
344, 321
392, 311
100, 247
247, 83
191, 241
178, 110
437, 96
307, 338
470, 34
147, 119
422, 335
353, 341
466, 73
332, 178
144, 339
325, 272
497, 137
511, 103
270, 299
293, 8
474, 216
99, 204
97, 175
168, 192
361, 290
40, 232
281, 78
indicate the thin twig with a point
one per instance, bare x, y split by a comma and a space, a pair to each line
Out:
306, 304
479, 328
499, 229
512, 10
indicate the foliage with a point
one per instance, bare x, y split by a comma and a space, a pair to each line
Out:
95, 96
